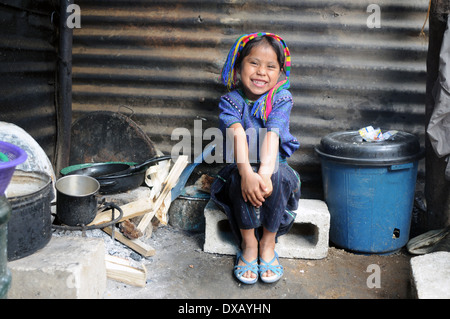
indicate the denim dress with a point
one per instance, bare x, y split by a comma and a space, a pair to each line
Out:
277, 213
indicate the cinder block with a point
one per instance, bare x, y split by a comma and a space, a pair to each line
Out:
308, 237
218, 236
66, 268
431, 275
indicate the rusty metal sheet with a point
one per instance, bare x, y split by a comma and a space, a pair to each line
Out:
27, 69
163, 60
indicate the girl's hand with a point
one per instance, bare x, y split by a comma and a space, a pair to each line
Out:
253, 188
269, 154
268, 182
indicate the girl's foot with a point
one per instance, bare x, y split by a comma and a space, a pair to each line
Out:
273, 267
249, 251
267, 253
248, 272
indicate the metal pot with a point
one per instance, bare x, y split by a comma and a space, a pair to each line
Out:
29, 229
76, 199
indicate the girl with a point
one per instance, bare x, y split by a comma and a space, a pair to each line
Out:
258, 196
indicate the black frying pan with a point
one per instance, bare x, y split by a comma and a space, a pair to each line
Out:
116, 177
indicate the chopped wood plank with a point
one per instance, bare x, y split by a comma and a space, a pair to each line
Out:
162, 211
130, 210
164, 208
120, 269
158, 173
169, 183
136, 244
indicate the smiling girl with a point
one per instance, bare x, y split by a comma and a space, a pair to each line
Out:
259, 197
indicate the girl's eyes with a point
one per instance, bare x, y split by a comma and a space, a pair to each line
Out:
272, 67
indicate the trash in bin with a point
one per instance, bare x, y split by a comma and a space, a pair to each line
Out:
370, 134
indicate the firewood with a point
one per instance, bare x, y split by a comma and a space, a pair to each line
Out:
130, 210
158, 173
120, 269
129, 229
136, 244
168, 184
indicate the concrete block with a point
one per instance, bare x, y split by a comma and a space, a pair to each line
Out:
431, 275
308, 237
218, 236
66, 268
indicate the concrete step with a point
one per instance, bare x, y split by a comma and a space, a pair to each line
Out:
308, 237
66, 268
431, 275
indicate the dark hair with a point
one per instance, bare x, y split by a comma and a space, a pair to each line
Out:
276, 46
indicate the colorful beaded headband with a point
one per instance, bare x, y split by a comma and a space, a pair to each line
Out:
229, 73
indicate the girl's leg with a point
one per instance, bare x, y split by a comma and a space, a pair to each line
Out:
249, 247
285, 194
267, 249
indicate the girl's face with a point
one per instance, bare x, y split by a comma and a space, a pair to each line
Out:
259, 71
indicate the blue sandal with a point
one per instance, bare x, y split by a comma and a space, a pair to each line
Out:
276, 269
240, 270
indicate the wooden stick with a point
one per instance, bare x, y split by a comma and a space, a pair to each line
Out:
158, 173
130, 210
164, 207
168, 184
121, 270
135, 244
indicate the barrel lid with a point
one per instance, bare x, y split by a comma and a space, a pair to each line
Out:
349, 147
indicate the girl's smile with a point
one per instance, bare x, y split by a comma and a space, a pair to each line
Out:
259, 71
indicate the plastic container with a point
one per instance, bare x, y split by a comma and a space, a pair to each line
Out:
15, 156
369, 189
11, 156
5, 274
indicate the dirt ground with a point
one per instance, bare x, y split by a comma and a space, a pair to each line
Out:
180, 269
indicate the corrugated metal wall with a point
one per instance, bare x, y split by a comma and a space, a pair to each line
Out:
27, 69
163, 60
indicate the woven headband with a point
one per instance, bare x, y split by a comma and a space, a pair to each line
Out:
229, 73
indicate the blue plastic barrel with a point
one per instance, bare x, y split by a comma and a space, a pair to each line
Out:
369, 189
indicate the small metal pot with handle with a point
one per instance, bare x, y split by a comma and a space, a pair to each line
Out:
76, 199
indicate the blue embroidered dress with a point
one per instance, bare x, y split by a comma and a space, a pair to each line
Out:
235, 108
276, 214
